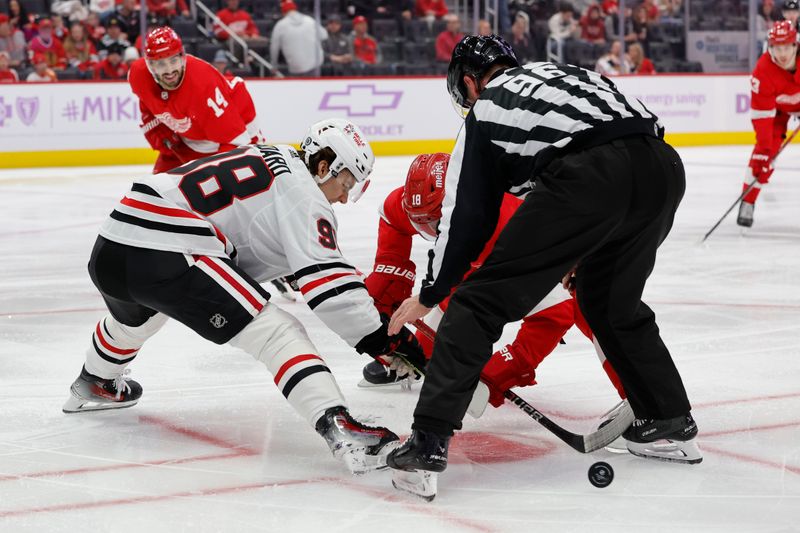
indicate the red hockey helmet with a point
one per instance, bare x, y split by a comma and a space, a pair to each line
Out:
162, 42
423, 192
782, 32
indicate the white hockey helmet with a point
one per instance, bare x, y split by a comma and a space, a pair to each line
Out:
352, 150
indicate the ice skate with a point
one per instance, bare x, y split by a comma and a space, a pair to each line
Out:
417, 462
745, 218
362, 448
92, 393
619, 445
666, 440
377, 374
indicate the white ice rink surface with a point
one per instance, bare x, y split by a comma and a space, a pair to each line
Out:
213, 446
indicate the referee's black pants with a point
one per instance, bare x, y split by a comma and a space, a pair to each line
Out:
606, 209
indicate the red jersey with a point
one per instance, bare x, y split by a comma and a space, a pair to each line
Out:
645, 67
446, 43
421, 8
104, 70
53, 50
209, 113
366, 49
775, 92
8, 76
239, 21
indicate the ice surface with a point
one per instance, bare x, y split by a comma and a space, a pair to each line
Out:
213, 446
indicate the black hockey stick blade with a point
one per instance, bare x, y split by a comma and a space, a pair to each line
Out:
581, 443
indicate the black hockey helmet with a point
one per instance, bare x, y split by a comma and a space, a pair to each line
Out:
791, 5
473, 56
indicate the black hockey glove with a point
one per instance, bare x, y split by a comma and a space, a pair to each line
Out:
403, 345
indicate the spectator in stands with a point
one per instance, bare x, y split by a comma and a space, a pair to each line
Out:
671, 8
447, 40
520, 38
166, 9
484, 28
239, 21
639, 64
94, 29
80, 51
221, 63
19, 18
48, 45
41, 71
112, 67
652, 11
613, 63
359, 8
593, 27
131, 54
7, 74
113, 35
641, 27
562, 24
12, 41
791, 11
365, 48
299, 38
396, 9
60, 31
612, 25
127, 12
430, 8
608, 6
337, 47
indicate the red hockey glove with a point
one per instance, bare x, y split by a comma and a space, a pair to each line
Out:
504, 371
157, 134
761, 165
390, 283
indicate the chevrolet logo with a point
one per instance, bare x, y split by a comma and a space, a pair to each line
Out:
360, 100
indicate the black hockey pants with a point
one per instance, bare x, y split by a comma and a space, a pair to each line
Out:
606, 209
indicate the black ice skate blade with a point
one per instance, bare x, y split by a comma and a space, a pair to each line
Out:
420, 496
419, 483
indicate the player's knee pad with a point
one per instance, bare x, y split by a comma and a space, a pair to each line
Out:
278, 340
115, 345
133, 336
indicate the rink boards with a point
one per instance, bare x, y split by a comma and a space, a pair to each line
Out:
70, 123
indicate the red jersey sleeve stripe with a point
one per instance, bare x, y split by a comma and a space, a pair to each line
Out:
293, 361
311, 285
234, 283
166, 211
107, 346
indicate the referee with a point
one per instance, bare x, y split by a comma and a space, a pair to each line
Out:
604, 188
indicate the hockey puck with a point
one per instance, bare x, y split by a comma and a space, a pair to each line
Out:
601, 475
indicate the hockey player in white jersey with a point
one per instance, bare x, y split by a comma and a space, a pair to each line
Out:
194, 242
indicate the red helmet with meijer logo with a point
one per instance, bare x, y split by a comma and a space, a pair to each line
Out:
423, 192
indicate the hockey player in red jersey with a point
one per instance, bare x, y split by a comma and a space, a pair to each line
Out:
189, 110
775, 93
415, 209
194, 244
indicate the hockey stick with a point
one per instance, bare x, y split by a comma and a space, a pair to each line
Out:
750, 187
581, 443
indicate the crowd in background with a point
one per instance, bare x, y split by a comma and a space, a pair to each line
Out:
99, 39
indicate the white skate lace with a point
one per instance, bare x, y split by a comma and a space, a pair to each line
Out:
121, 383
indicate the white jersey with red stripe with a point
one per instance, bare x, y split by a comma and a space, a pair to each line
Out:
260, 206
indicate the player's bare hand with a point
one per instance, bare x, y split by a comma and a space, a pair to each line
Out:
409, 311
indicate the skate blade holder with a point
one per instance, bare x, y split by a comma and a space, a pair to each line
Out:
420, 483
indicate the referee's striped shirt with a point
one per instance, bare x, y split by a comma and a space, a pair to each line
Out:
524, 118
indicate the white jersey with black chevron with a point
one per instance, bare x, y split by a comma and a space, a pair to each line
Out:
260, 206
